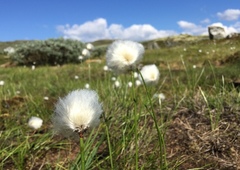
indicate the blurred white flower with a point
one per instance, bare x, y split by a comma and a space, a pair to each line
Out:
135, 74
160, 97
33, 67
1, 82
105, 68
18, 92
77, 112
80, 57
76, 77
116, 84
194, 66
46, 98
130, 84
124, 55
200, 51
90, 46
35, 122
87, 86
114, 78
184, 49
85, 52
138, 82
150, 74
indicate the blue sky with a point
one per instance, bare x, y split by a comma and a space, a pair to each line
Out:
113, 19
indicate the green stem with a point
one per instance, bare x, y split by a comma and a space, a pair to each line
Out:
82, 154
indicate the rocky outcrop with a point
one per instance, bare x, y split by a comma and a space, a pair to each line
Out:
216, 32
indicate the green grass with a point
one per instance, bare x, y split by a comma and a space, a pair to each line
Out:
196, 126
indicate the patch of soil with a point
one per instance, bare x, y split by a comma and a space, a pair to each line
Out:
191, 139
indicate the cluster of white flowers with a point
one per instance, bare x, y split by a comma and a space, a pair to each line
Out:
77, 112
80, 109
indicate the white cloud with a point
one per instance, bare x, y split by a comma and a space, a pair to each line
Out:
229, 14
205, 21
99, 29
191, 28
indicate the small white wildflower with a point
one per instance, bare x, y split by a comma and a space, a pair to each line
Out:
85, 52
77, 112
130, 84
76, 77
184, 49
194, 66
150, 74
2, 83
160, 97
105, 68
87, 86
200, 51
80, 57
46, 98
116, 84
35, 122
138, 82
135, 74
90, 46
113, 78
124, 55
33, 67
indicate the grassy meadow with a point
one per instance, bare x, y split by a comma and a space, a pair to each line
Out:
196, 126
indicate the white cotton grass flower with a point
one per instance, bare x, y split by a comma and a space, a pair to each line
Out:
85, 52
138, 82
46, 98
130, 84
113, 78
105, 68
123, 55
117, 84
35, 122
89, 46
77, 112
80, 57
1, 82
87, 86
150, 74
135, 74
160, 97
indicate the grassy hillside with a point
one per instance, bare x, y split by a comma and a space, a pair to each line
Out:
196, 126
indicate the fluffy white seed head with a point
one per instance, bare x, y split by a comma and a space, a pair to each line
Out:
90, 46
124, 55
76, 112
150, 74
1, 82
85, 52
35, 122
